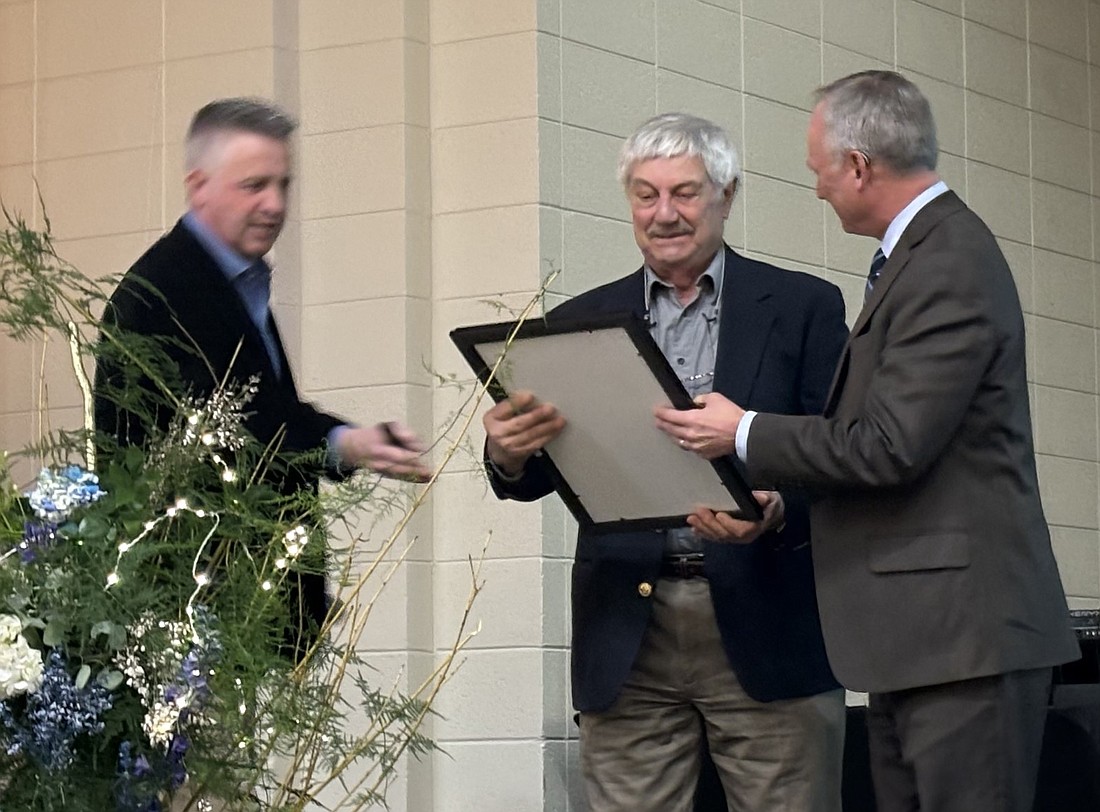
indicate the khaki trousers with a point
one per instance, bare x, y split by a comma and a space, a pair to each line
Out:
643, 754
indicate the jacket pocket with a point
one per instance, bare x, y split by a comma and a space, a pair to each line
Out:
940, 551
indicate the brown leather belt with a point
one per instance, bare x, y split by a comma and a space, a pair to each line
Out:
682, 566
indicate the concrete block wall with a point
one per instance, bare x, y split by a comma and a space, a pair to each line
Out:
1013, 85
1014, 89
452, 154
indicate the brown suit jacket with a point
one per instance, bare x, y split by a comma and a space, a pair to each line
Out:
931, 552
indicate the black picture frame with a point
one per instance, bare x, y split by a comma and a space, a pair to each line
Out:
624, 357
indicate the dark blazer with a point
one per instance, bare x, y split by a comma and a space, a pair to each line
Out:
932, 555
199, 309
779, 338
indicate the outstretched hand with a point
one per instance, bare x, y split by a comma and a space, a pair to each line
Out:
391, 449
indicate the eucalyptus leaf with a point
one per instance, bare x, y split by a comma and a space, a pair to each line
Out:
92, 528
54, 634
116, 633
82, 676
109, 678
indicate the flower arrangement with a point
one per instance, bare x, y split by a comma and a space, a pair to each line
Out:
150, 655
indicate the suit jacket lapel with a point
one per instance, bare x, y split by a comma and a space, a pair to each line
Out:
215, 288
745, 322
926, 219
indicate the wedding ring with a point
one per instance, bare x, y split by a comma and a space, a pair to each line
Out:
683, 442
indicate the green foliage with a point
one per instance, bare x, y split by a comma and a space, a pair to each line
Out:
168, 588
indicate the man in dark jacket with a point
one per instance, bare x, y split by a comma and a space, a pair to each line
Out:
204, 289
679, 641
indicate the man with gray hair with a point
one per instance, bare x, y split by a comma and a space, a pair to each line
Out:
938, 589
680, 642
204, 288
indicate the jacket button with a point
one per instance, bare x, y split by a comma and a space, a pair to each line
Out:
645, 589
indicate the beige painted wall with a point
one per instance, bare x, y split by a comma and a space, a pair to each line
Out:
452, 152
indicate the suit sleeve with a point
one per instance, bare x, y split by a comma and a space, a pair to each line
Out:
938, 342
127, 402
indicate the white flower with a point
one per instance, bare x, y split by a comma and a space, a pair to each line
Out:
160, 723
10, 628
20, 665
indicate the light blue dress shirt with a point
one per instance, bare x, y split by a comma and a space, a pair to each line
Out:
251, 279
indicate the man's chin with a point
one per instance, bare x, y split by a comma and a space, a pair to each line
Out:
259, 248
669, 254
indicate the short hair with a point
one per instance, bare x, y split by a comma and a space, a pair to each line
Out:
671, 135
883, 115
241, 114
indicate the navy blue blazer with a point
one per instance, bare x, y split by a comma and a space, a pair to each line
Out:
780, 335
177, 292
210, 337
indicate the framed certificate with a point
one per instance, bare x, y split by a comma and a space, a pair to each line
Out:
611, 465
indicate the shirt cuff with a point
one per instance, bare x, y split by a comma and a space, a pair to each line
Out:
501, 474
741, 441
332, 454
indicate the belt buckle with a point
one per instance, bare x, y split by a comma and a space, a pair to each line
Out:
684, 565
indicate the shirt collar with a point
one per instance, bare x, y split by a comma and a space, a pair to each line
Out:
715, 271
906, 215
231, 263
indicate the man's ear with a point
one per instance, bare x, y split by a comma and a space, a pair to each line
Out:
727, 197
860, 164
193, 182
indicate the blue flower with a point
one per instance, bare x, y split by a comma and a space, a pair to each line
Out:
132, 792
58, 492
37, 536
53, 717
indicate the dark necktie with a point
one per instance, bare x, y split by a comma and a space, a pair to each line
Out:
872, 275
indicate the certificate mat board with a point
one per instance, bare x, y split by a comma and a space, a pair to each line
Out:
612, 466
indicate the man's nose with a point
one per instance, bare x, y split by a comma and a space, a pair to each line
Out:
274, 199
666, 211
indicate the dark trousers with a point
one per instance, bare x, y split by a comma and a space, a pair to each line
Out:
970, 746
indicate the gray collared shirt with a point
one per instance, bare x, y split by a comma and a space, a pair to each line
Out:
688, 336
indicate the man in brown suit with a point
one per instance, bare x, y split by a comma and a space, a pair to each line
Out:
938, 590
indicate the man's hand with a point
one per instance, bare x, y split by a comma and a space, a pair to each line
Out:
709, 431
518, 427
391, 449
723, 527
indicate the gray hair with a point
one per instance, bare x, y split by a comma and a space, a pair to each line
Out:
223, 116
883, 115
671, 135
